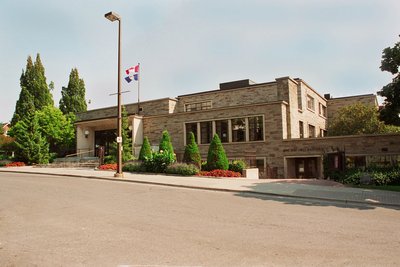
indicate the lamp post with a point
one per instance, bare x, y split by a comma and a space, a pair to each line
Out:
112, 16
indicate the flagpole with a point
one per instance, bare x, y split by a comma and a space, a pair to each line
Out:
138, 91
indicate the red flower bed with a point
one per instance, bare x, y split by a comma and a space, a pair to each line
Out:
219, 173
112, 166
15, 164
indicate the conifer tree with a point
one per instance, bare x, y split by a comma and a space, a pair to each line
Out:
73, 96
31, 146
145, 150
216, 158
25, 105
192, 153
40, 90
165, 143
126, 140
35, 93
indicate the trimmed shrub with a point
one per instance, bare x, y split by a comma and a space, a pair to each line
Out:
145, 150
219, 173
192, 153
159, 161
165, 143
110, 159
134, 167
182, 169
237, 165
216, 158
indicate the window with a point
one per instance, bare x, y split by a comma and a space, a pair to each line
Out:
238, 130
322, 133
311, 131
221, 128
310, 102
198, 106
322, 110
191, 127
301, 129
256, 128
205, 132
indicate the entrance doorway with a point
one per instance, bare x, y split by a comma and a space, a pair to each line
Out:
105, 138
306, 167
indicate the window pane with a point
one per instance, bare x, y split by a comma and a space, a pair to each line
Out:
301, 129
191, 127
256, 130
238, 130
206, 132
221, 128
311, 131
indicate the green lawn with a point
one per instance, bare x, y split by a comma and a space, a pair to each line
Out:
381, 187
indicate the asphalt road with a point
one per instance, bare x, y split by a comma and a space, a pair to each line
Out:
65, 221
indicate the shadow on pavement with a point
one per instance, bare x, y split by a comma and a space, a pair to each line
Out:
304, 201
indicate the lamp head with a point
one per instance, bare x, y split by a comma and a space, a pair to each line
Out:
112, 16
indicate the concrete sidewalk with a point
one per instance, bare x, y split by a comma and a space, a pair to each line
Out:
299, 188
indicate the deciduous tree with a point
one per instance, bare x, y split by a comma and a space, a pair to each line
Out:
356, 119
390, 114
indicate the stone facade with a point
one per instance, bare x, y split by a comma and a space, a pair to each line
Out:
281, 127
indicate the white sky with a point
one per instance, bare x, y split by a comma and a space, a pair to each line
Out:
192, 46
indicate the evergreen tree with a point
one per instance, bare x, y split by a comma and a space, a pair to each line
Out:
216, 158
31, 146
40, 90
145, 150
35, 93
73, 96
165, 143
390, 113
192, 153
126, 139
25, 104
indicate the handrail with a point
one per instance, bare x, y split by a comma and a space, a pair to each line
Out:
80, 153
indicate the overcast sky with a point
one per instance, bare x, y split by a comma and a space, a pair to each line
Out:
191, 46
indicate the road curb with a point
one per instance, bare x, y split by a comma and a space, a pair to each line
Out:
341, 201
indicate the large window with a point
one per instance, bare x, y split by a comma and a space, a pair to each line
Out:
205, 132
256, 129
221, 128
238, 130
246, 129
310, 102
198, 106
311, 131
301, 129
191, 127
322, 110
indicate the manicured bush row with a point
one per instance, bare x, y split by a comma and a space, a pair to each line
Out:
379, 175
182, 169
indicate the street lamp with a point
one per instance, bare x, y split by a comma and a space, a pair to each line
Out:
112, 16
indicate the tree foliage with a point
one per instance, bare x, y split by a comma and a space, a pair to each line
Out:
73, 96
165, 143
35, 93
192, 153
216, 158
126, 139
145, 150
31, 146
57, 128
390, 114
356, 119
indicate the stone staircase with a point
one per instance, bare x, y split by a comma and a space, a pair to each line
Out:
73, 162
